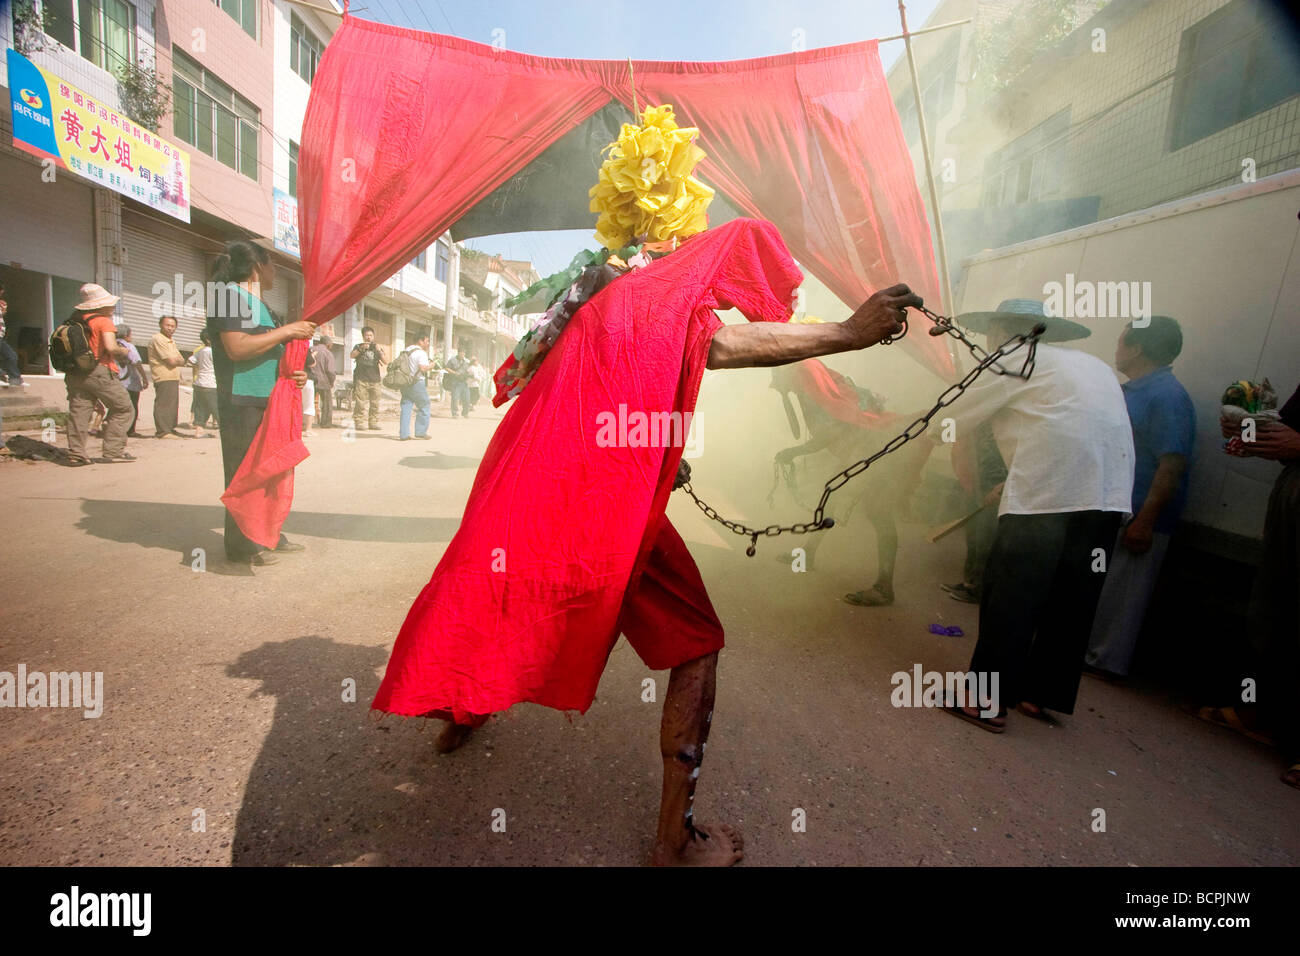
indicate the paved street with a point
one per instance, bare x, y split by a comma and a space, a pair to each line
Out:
224, 693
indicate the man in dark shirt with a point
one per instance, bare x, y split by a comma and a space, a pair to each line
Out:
1275, 610
456, 380
366, 376
323, 374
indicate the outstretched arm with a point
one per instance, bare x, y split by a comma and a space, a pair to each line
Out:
765, 344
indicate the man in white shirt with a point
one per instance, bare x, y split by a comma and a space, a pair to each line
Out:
203, 404
416, 395
1065, 436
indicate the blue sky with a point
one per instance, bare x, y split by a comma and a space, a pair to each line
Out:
661, 30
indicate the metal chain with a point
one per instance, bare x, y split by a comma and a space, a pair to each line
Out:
986, 361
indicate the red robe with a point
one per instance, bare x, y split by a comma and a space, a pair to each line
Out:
564, 531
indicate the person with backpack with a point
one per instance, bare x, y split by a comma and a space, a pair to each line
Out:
246, 350
415, 395
85, 349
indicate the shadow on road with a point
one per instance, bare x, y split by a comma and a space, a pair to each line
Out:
438, 460
331, 785
182, 528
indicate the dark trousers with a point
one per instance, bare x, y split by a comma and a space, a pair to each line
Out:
1275, 615
204, 406
325, 393
9, 363
135, 411
1039, 598
166, 406
239, 425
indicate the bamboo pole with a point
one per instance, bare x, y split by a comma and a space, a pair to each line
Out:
944, 282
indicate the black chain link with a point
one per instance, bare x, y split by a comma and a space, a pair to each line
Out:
985, 361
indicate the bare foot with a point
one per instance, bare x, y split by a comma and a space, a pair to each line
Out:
451, 738
718, 845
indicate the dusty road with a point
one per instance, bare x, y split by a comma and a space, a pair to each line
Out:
224, 693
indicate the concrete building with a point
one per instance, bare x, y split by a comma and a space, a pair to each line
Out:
237, 74
1100, 110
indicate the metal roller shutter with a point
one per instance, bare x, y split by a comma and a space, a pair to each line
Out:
155, 253
46, 227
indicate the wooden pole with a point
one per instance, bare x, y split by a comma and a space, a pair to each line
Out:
945, 283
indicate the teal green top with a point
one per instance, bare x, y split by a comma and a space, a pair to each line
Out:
254, 378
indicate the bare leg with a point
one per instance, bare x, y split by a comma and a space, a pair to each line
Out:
454, 734
688, 711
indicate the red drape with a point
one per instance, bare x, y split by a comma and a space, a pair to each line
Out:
406, 131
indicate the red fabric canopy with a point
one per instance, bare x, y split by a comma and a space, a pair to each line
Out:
406, 132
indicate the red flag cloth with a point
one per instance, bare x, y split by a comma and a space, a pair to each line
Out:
407, 131
261, 493
832, 392
564, 533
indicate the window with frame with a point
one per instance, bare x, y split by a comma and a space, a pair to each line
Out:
243, 12
304, 49
212, 117
421, 260
1031, 168
441, 261
1231, 65
102, 31
293, 169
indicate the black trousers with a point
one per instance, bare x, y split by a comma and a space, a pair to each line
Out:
1275, 614
239, 425
135, 412
166, 406
1039, 598
326, 395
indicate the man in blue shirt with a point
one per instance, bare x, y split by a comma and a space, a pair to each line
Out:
1164, 432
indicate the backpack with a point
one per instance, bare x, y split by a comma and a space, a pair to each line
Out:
399, 374
70, 347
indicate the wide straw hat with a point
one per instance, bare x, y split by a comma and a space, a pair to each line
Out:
1015, 313
95, 297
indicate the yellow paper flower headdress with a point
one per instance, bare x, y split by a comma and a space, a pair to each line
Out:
646, 189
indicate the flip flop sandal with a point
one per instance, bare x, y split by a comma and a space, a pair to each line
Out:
1291, 781
983, 723
868, 598
1227, 717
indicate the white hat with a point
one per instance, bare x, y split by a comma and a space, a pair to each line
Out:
95, 297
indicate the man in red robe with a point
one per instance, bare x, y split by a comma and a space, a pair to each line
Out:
564, 543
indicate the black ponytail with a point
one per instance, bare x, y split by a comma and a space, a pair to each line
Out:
236, 264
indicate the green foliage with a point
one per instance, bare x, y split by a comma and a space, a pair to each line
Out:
1003, 50
29, 27
145, 98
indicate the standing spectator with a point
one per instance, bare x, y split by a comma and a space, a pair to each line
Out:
1164, 433
246, 350
981, 471
10, 373
415, 397
1274, 609
477, 377
1065, 435
131, 375
99, 384
456, 380
308, 395
165, 363
323, 374
204, 404
366, 376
